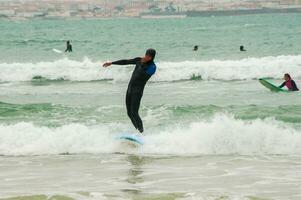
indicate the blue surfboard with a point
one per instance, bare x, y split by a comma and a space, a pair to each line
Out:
131, 137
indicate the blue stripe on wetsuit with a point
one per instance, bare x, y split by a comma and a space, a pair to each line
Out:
151, 69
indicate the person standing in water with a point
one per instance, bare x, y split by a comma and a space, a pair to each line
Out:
289, 83
68, 46
242, 48
144, 69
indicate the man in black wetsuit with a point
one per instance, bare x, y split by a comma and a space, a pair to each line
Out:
144, 69
68, 46
242, 48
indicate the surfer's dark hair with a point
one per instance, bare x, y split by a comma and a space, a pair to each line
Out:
289, 76
151, 52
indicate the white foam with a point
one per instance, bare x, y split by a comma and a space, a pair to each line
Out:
87, 70
249, 68
65, 69
27, 139
224, 135
221, 135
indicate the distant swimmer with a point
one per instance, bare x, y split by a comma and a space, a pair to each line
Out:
68, 46
144, 69
195, 48
289, 83
242, 48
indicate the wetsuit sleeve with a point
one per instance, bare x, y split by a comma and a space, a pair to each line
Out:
282, 85
294, 85
126, 62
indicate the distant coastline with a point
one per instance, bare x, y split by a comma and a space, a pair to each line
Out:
219, 13
242, 12
165, 15
153, 9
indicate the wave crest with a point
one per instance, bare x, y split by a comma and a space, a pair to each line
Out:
221, 135
87, 70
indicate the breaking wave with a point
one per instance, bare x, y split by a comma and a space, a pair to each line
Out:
220, 135
87, 70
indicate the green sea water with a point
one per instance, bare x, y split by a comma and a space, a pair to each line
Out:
218, 37
212, 131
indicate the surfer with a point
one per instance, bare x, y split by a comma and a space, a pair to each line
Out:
144, 69
242, 48
195, 48
289, 83
68, 46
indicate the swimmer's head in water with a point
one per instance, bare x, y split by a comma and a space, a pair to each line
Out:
287, 77
150, 55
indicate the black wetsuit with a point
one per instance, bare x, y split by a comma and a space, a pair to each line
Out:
140, 76
69, 48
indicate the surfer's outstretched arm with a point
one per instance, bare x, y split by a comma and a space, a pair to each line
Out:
122, 62
282, 85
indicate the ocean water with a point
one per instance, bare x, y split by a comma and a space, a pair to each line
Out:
211, 130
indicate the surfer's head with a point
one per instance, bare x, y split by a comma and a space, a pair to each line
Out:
287, 77
150, 55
